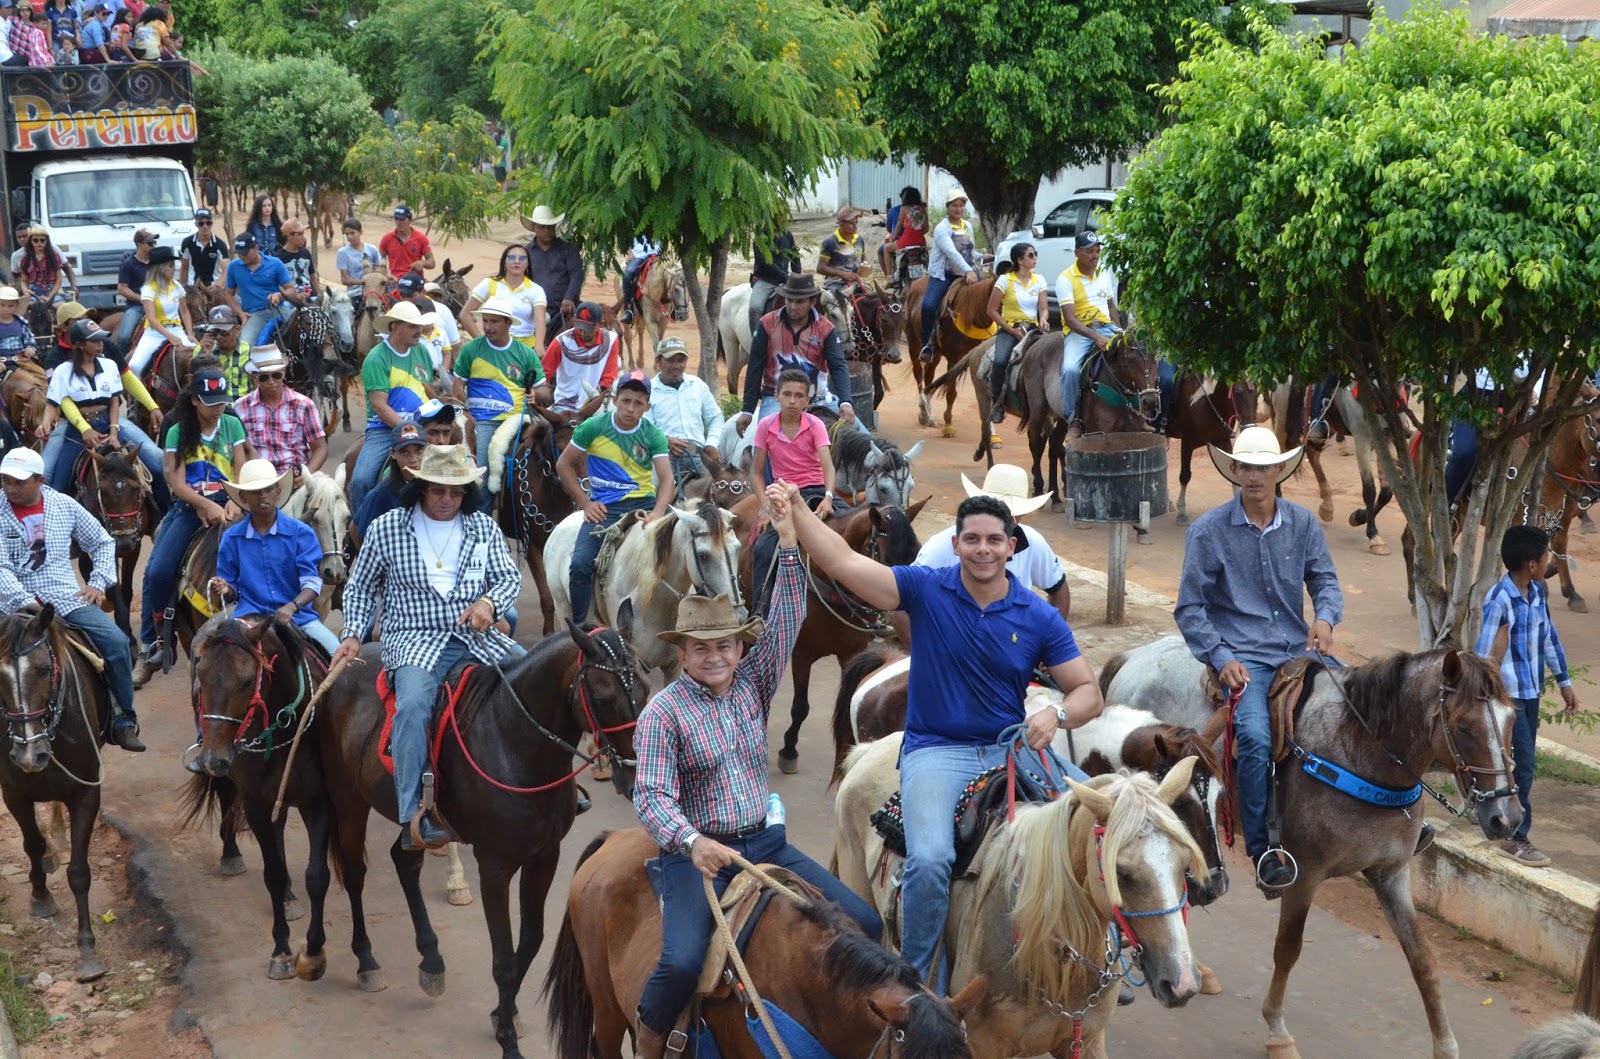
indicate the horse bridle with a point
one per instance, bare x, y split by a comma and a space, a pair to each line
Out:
871, 337
121, 525
1200, 783
1469, 774
51, 711
1132, 395
257, 705
578, 694
700, 580
858, 615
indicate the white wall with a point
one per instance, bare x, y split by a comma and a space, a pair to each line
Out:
826, 195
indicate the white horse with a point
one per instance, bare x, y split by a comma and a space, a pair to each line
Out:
688, 549
1162, 677
320, 503
734, 335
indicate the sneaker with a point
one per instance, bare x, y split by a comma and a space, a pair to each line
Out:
1524, 852
148, 665
998, 415
626, 317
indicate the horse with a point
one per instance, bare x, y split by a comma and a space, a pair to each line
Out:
734, 335
877, 328
342, 313
320, 502
456, 289
1203, 413
24, 392
1572, 1037
687, 550
202, 299
1571, 483
1050, 884
503, 779
872, 469
811, 961
968, 326
314, 367
40, 317
1586, 995
116, 491
1388, 721
374, 300
662, 294
57, 711
252, 675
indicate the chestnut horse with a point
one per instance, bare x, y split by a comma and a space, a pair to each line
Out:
24, 392
504, 781
964, 325
117, 493
1204, 413
810, 961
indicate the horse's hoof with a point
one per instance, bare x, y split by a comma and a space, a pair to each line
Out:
788, 764
42, 907
949, 431
1325, 511
1377, 547
432, 984
89, 970
310, 968
230, 866
1282, 1049
1057, 507
1209, 986
280, 968
372, 981
1144, 538
516, 1025
1577, 605
458, 895
293, 909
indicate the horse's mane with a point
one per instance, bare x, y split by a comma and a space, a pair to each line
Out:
903, 544
660, 531
971, 301
1196, 744
1572, 1037
1379, 689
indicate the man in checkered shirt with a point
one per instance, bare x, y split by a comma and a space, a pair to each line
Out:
701, 787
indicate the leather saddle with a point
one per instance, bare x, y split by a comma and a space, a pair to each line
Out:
1290, 688
982, 802
606, 556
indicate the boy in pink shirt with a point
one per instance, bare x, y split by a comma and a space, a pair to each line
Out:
795, 443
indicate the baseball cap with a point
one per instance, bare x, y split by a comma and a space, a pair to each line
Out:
85, 330
221, 318
436, 411
202, 214
404, 435
636, 379
21, 464
210, 386
1084, 240
244, 241
588, 313
410, 285
403, 212
847, 213
672, 347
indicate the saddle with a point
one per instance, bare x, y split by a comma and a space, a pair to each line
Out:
977, 330
1013, 367
606, 556
1287, 694
444, 705
984, 799
158, 384
201, 552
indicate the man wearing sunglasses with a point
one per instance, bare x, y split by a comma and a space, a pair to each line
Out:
283, 424
203, 252
130, 278
219, 336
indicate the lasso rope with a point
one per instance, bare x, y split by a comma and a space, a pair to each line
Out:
726, 934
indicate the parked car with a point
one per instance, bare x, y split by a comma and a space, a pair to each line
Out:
1053, 235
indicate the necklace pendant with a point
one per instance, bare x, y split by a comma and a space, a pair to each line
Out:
438, 564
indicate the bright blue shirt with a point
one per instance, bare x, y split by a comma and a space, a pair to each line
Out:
970, 665
269, 571
254, 287
93, 34
1532, 642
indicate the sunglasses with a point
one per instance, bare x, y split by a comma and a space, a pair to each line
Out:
202, 224
269, 376
39, 239
516, 257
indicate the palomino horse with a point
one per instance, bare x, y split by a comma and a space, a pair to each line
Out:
24, 392
320, 503
1388, 721
688, 550
810, 961
734, 335
872, 469
374, 288
663, 295
1204, 413
1038, 917
56, 710
504, 773
964, 325
116, 491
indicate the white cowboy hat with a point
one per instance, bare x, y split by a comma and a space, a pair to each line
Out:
1008, 483
499, 305
1258, 447
405, 313
265, 358
448, 465
261, 474
542, 214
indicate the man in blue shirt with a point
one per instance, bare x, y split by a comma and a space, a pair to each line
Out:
268, 562
258, 287
1246, 568
977, 635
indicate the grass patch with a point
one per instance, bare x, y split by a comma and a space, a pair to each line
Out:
23, 1010
1549, 767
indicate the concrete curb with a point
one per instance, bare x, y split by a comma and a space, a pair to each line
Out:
8, 1042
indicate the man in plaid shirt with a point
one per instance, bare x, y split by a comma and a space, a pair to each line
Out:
701, 787
283, 424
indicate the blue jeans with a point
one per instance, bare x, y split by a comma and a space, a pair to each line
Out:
580, 578
161, 569
132, 317
1075, 351
686, 922
375, 448
932, 299
486, 431
931, 781
250, 333
414, 692
1524, 734
61, 453
1252, 733
320, 634
1463, 456
112, 645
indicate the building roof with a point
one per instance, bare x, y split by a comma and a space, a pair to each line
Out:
1572, 20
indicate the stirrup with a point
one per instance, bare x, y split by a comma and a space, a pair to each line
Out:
1293, 865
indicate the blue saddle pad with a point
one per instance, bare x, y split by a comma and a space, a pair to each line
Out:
801, 1044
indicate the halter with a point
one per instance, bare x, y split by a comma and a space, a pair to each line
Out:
1469, 773
263, 743
52, 709
1120, 393
869, 337
1200, 783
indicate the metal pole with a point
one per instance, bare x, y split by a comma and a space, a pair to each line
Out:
1117, 575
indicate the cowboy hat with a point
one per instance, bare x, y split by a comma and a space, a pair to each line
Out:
405, 313
448, 465
257, 475
799, 285
710, 618
161, 255
1008, 483
1258, 447
542, 214
497, 306
265, 358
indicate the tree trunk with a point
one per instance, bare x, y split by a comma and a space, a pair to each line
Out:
1004, 202
707, 303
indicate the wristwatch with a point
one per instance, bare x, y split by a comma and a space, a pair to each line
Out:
1061, 717
686, 847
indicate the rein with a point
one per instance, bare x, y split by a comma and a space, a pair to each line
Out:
1119, 393
862, 618
53, 710
122, 525
265, 742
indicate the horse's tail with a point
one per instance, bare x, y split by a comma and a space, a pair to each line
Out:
202, 796
865, 661
949, 378
1109, 671
566, 990
1586, 998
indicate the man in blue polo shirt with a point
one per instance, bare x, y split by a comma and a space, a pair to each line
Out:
258, 287
977, 634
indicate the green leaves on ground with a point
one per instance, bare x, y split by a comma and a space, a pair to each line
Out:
432, 166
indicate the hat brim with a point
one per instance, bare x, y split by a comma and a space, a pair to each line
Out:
1287, 463
96, 335
285, 484
547, 218
749, 632
213, 400
1019, 505
451, 479
387, 320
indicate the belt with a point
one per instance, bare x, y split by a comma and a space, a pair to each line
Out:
743, 832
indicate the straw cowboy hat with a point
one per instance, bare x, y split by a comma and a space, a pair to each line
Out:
542, 214
1008, 483
710, 618
265, 358
448, 465
1258, 447
405, 313
261, 474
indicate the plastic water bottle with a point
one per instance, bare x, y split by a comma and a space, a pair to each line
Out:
774, 810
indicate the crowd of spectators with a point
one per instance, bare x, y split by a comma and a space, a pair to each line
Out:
68, 32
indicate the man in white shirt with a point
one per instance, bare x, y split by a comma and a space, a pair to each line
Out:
686, 410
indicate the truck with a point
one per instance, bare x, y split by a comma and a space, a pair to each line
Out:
94, 153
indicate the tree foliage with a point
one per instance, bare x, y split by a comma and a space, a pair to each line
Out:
688, 119
441, 71
1425, 206
275, 29
432, 167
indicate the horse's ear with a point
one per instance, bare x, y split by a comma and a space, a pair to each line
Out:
447, 267
912, 453
895, 1014
874, 458
916, 509
464, 271
339, 476
1452, 667
1164, 750
100, 461
41, 621
1177, 781
625, 619
880, 521
970, 997
1091, 799
584, 641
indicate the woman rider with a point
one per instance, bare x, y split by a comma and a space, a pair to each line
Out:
166, 311
527, 299
86, 390
1021, 297
202, 449
910, 226
43, 269
954, 251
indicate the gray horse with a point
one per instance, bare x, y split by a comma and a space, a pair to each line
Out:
1573, 1037
1162, 677
873, 468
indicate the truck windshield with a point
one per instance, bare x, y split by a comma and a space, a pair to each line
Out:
117, 196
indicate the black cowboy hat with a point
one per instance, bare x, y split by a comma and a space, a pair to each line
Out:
799, 285
160, 255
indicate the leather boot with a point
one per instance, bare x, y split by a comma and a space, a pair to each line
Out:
997, 395
648, 1044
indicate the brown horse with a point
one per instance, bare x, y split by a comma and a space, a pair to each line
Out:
1204, 413
965, 309
504, 781
456, 288
116, 491
854, 997
1571, 484
314, 368
24, 394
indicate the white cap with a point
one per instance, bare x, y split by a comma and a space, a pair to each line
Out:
22, 464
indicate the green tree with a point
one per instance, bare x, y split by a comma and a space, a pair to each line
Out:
275, 29
1003, 94
1420, 208
688, 119
441, 42
432, 167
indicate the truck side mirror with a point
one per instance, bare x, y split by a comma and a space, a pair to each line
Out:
19, 206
